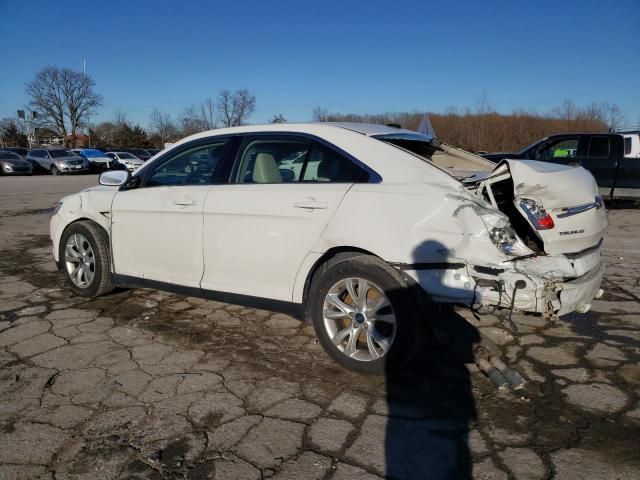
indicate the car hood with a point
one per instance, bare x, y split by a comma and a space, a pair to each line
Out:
16, 162
68, 158
100, 159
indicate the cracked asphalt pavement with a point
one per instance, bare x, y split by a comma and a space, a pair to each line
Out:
143, 384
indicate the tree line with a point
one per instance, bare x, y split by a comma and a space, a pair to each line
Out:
63, 102
484, 129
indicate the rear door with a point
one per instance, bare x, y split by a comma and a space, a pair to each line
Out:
157, 228
601, 160
259, 228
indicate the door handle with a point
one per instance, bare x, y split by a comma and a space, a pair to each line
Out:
184, 201
310, 204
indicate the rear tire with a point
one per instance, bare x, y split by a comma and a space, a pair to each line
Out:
369, 338
85, 258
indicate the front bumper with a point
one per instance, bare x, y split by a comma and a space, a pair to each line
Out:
12, 170
479, 287
72, 168
56, 226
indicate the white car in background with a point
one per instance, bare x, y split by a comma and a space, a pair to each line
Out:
126, 159
358, 228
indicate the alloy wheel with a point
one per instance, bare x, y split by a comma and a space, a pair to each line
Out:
80, 260
359, 319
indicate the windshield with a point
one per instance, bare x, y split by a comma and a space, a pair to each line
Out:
91, 153
9, 156
127, 156
60, 153
19, 151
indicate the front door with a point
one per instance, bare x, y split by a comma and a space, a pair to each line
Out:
157, 228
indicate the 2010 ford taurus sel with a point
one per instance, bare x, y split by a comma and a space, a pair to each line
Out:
358, 228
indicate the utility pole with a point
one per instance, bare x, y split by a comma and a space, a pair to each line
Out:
84, 76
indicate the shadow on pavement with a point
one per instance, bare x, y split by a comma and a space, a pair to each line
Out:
430, 400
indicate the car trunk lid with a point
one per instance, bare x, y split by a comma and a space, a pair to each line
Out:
555, 206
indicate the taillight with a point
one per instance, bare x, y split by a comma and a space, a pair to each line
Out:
537, 214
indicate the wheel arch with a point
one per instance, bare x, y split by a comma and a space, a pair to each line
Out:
66, 227
331, 256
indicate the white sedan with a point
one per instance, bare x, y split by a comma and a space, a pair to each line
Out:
359, 229
126, 159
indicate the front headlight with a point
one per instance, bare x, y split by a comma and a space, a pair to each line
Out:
56, 207
7, 166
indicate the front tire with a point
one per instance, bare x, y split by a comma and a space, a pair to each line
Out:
364, 315
54, 170
84, 255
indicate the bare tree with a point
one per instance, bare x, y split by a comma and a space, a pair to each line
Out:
62, 99
191, 121
161, 123
208, 114
319, 114
567, 111
120, 117
234, 108
614, 116
279, 118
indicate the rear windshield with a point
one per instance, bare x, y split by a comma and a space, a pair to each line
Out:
414, 142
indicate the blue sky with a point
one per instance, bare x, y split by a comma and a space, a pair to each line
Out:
348, 56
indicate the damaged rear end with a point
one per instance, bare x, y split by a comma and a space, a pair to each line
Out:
553, 227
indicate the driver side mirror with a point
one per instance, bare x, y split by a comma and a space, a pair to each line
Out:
114, 178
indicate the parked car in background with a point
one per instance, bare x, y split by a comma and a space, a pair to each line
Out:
631, 144
138, 152
152, 151
19, 150
126, 159
617, 175
97, 158
57, 160
13, 164
385, 223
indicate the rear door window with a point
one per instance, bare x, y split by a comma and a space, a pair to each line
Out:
277, 159
598, 147
327, 165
